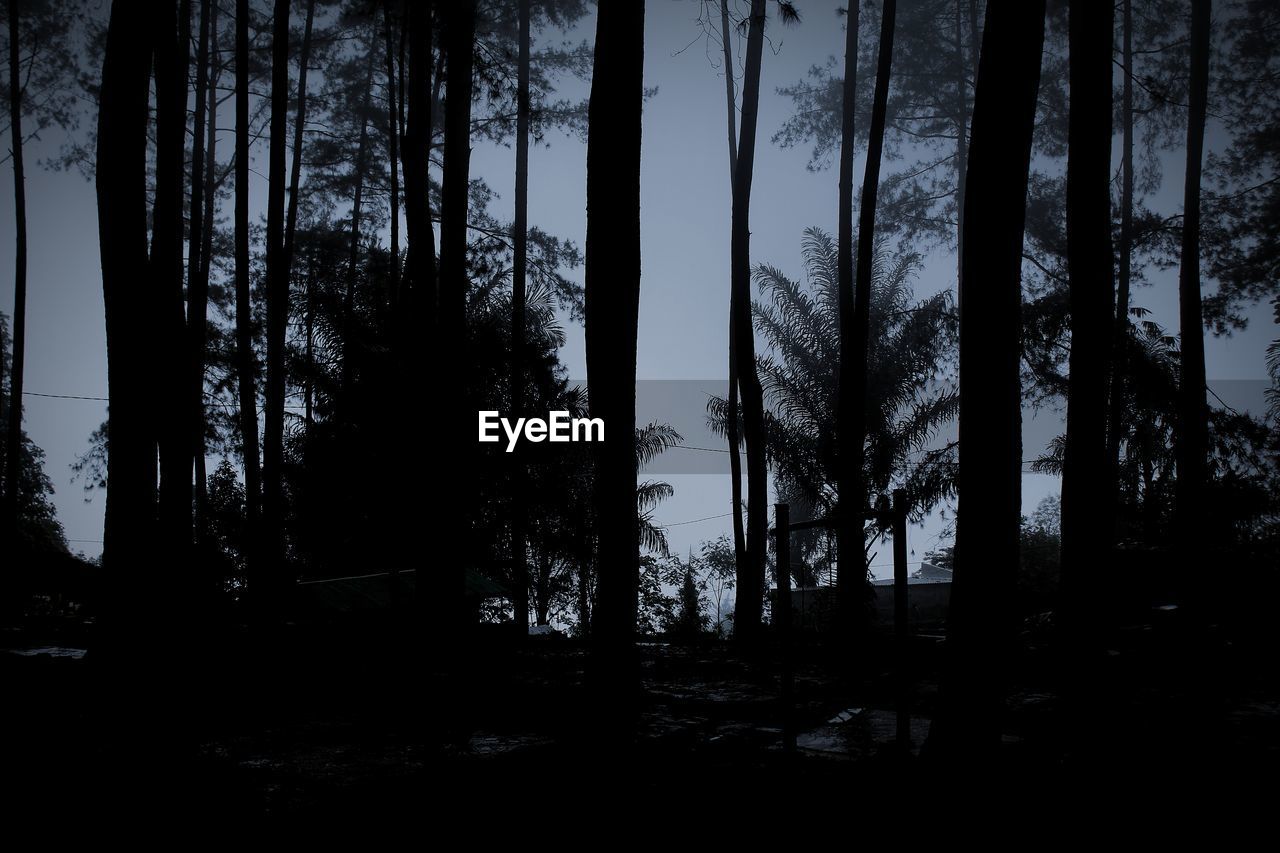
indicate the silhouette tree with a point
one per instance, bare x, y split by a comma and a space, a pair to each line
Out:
612, 306
13, 435
751, 580
1192, 442
246, 362
451, 322
855, 310
277, 310
979, 630
122, 234
1085, 491
520, 243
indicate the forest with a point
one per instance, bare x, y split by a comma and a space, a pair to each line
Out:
328, 235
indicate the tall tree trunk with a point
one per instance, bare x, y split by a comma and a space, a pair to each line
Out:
206, 252
980, 625
1120, 338
751, 584
13, 439
246, 363
197, 280
171, 30
420, 257
849, 533
120, 175
277, 312
612, 312
393, 155
1192, 443
1085, 488
731, 423
299, 129
855, 336
452, 317
357, 203
519, 266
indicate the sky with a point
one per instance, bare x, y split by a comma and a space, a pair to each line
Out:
685, 206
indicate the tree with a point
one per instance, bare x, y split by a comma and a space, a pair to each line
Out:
979, 630
246, 363
520, 241
907, 403
122, 237
751, 577
1193, 439
277, 312
1085, 491
855, 309
612, 308
13, 436
451, 321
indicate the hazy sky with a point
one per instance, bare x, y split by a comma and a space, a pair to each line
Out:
685, 235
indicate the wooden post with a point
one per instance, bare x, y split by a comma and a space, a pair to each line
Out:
901, 614
782, 619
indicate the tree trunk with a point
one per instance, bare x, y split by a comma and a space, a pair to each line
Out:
849, 533
197, 279
751, 584
172, 425
1192, 443
980, 626
520, 241
353, 260
452, 317
731, 423
420, 258
612, 312
120, 175
200, 330
393, 155
277, 314
1120, 338
13, 439
299, 127
1085, 489
246, 363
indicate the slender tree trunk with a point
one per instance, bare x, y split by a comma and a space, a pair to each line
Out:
1192, 443
1085, 490
420, 258
751, 585
452, 317
612, 311
171, 29
980, 628
273, 509
299, 129
200, 306
197, 282
393, 142
13, 439
849, 533
855, 337
120, 175
1120, 339
311, 341
246, 362
520, 241
731, 423
357, 202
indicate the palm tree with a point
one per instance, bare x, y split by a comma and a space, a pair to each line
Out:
911, 345
652, 440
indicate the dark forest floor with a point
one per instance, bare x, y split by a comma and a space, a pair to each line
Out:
323, 722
